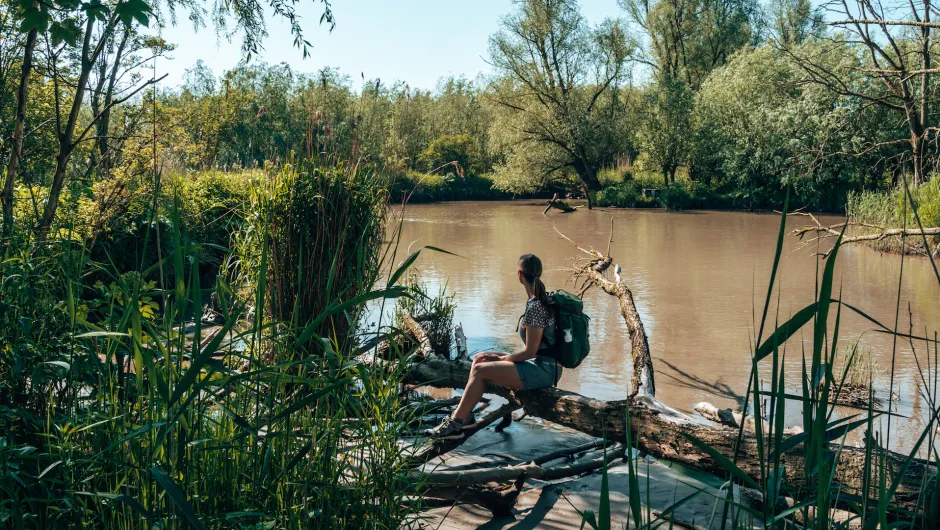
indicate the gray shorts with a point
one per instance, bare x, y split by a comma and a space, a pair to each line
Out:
539, 372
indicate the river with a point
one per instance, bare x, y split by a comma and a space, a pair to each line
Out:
699, 280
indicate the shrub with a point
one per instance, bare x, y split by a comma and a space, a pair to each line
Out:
445, 186
680, 195
623, 195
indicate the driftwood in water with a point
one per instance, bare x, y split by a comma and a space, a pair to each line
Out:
730, 418
420, 334
460, 343
879, 233
558, 204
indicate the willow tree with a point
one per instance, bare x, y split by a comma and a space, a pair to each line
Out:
558, 90
896, 72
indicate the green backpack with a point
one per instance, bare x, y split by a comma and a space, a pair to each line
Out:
571, 329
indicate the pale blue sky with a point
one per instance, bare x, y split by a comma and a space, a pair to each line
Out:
416, 41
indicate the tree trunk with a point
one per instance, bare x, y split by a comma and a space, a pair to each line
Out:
17, 151
66, 145
917, 145
58, 180
662, 432
587, 175
104, 122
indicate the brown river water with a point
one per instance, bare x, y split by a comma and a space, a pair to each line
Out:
699, 280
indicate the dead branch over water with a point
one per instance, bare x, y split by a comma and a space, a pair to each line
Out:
823, 232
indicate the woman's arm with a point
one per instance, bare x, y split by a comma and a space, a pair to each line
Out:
533, 337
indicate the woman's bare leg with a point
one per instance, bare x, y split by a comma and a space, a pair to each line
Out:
503, 373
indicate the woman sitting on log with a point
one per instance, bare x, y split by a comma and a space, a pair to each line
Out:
528, 368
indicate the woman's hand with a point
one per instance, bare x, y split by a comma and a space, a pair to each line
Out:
487, 356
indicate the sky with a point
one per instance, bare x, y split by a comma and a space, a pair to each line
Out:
417, 41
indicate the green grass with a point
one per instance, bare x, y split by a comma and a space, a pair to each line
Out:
111, 417
436, 312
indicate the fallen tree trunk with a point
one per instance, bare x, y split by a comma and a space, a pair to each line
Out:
498, 500
420, 334
878, 233
660, 431
527, 470
557, 203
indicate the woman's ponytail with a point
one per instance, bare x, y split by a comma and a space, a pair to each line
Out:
532, 272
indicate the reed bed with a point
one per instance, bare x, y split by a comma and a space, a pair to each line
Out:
122, 409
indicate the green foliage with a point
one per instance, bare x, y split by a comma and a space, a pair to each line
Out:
112, 416
858, 365
446, 149
678, 195
115, 218
756, 129
447, 186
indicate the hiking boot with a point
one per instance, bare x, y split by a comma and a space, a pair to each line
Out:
451, 428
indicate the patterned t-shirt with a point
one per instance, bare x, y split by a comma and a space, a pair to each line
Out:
538, 315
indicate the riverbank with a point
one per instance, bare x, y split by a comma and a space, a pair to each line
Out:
621, 189
876, 212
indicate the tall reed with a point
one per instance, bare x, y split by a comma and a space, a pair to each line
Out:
813, 497
125, 413
324, 227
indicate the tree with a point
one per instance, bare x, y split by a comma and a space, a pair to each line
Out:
78, 37
897, 70
100, 23
756, 128
22, 94
687, 40
690, 38
794, 21
666, 130
556, 73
